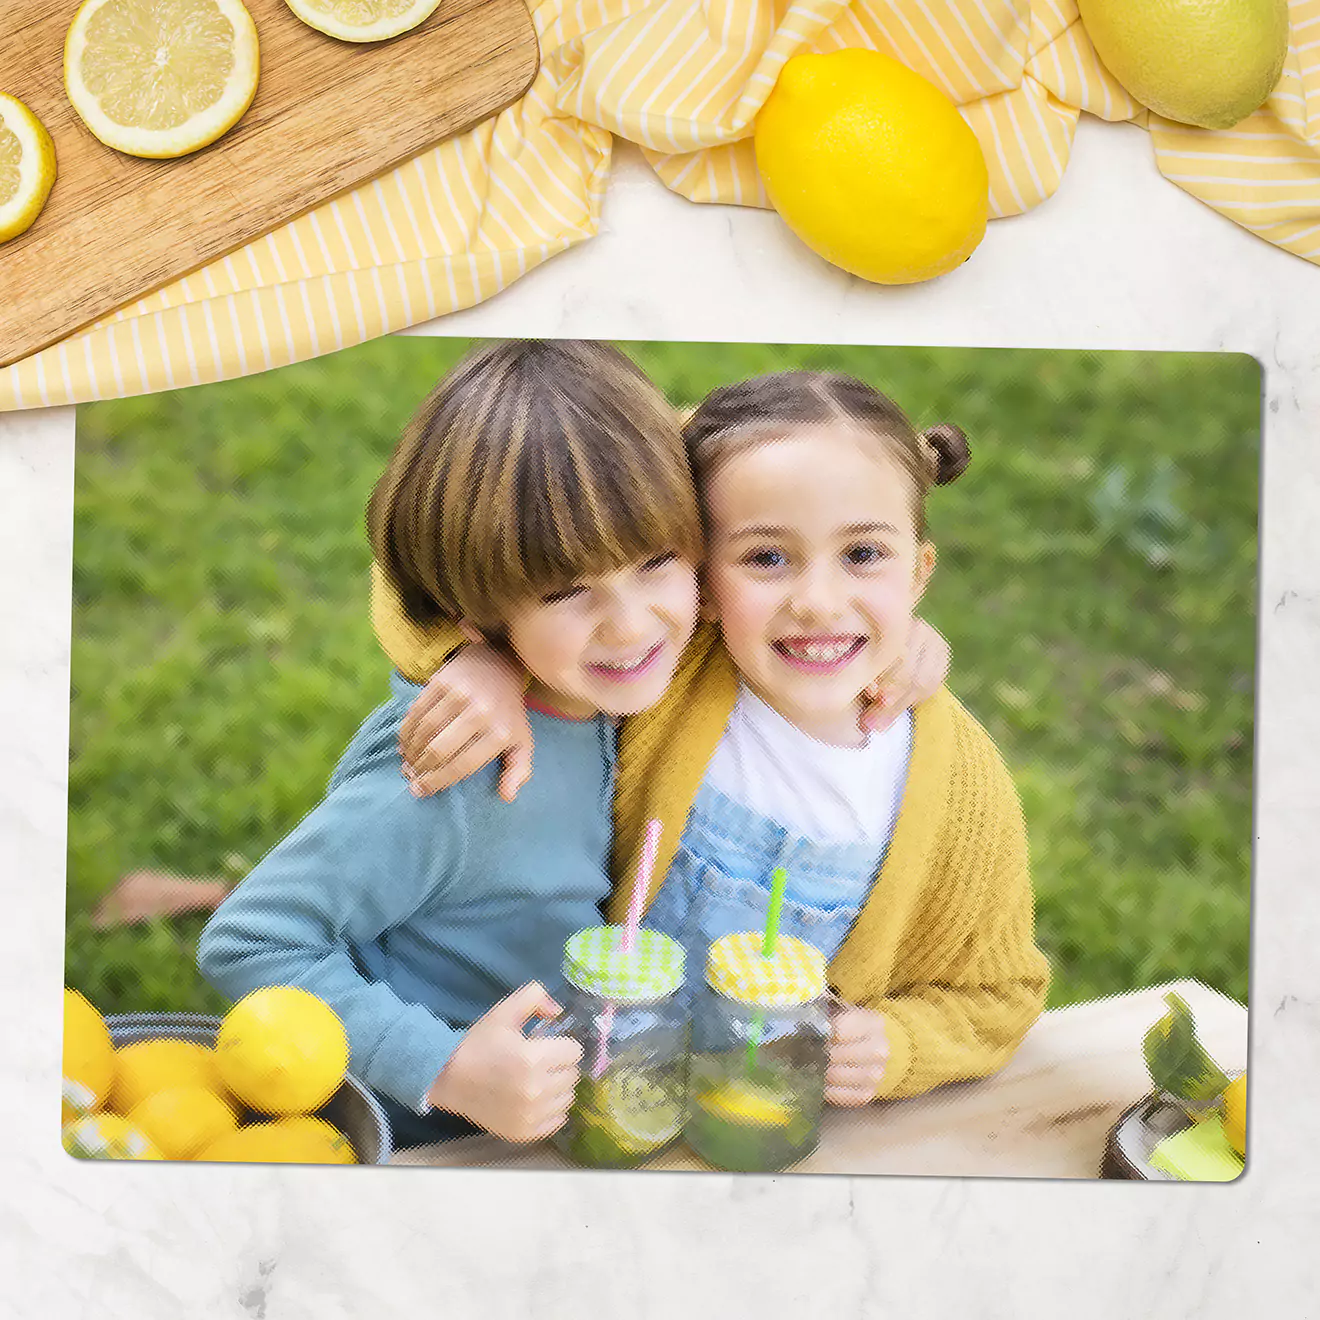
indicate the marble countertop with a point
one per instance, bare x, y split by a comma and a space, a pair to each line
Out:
1118, 259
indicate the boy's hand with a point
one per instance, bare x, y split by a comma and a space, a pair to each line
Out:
917, 675
468, 714
516, 1088
858, 1052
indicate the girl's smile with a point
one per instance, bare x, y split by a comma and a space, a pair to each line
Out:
819, 655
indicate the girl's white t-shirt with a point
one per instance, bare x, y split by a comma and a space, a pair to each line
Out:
823, 793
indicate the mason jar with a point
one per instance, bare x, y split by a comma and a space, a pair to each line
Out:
760, 1037
626, 1011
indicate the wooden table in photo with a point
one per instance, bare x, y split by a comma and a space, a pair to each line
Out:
1046, 1115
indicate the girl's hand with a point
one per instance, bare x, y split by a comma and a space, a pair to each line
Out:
918, 675
468, 714
858, 1053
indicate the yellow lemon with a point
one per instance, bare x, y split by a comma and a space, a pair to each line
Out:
1235, 1114
363, 20
160, 78
1204, 62
89, 1057
182, 1119
27, 167
107, 1137
872, 167
299, 1139
282, 1050
157, 1065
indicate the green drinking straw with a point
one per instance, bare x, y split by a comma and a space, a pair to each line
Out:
778, 883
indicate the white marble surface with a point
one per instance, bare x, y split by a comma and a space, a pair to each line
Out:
1118, 259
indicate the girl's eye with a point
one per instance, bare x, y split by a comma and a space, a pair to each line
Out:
660, 561
765, 559
867, 554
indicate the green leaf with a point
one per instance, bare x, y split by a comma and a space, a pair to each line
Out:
1176, 1059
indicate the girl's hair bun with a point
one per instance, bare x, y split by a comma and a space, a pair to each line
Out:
946, 451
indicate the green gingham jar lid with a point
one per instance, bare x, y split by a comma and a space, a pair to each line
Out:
595, 961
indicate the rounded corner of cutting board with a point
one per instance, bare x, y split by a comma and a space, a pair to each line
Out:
530, 49
87, 287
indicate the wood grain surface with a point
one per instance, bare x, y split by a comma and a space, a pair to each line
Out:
328, 115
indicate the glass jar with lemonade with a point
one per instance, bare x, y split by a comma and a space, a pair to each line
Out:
625, 1011
760, 1036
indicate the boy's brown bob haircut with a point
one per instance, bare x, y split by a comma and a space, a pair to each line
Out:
530, 465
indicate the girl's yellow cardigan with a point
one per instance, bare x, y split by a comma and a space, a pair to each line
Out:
944, 945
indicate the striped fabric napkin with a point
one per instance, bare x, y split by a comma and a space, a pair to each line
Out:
683, 79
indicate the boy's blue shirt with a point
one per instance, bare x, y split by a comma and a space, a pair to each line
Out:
410, 917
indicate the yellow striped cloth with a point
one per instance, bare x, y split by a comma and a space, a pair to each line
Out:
683, 79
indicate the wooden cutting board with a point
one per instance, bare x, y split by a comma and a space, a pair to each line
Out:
328, 115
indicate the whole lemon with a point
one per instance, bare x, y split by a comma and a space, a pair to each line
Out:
1205, 62
89, 1057
1235, 1114
872, 167
282, 1050
107, 1137
299, 1139
182, 1119
157, 1065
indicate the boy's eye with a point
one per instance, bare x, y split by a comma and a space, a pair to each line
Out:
867, 553
765, 559
555, 597
660, 561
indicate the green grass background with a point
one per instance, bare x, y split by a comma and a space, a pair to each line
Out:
1096, 579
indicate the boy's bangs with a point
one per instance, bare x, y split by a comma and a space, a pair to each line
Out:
581, 521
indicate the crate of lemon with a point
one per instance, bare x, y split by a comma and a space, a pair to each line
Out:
266, 1084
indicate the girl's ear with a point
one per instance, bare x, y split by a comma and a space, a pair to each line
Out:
924, 568
471, 633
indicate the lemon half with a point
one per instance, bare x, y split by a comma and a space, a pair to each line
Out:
107, 1137
27, 167
363, 20
161, 78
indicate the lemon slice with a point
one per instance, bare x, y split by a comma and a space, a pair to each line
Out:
744, 1102
363, 20
161, 78
27, 167
635, 1113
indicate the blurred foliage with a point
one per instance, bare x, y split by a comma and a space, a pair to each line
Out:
1096, 579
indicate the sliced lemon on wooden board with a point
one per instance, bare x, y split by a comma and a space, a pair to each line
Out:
161, 78
27, 167
363, 20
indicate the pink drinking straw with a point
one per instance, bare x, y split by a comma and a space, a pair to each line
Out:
628, 938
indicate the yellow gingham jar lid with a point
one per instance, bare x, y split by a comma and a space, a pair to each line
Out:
793, 974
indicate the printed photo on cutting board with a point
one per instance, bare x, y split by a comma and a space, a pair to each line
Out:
668, 756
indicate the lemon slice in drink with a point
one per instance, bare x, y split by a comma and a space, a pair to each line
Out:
743, 1102
363, 20
27, 167
161, 78
636, 1114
